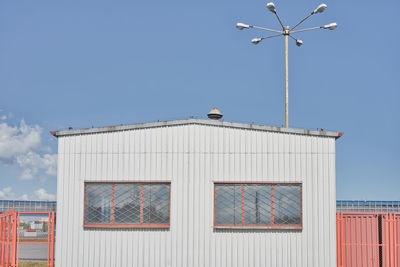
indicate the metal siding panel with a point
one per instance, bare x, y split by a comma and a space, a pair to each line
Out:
62, 165
75, 202
332, 202
304, 244
60, 200
327, 214
70, 198
98, 143
321, 207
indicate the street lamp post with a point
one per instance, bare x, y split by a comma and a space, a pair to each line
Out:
287, 32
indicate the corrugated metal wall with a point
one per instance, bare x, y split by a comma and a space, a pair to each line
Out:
192, 157
358, 240
368, 239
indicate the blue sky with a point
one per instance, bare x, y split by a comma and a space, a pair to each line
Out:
95, 63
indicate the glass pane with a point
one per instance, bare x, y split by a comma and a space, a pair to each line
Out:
228, 204
98, 203
127, 203
287, 206
257, 204
156, 203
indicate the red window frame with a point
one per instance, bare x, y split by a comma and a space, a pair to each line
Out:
271, 226
119, 225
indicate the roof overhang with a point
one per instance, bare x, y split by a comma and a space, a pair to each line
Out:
216, 123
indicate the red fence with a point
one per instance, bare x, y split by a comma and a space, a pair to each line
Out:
368, 239
363, 239
8, 226
14, 233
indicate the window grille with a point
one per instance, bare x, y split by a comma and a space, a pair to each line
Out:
127, 205
257, 205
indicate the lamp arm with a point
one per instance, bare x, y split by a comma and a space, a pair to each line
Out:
280, 22
301, 21
271, 36
265, 29
309, 29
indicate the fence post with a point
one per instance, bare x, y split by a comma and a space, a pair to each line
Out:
337, 240
7, 262
1, 239
52, 238
393, 244
48, 240
17, 239
395, 239
14, 238
387, 248
341, 238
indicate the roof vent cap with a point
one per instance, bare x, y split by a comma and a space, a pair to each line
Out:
214, 114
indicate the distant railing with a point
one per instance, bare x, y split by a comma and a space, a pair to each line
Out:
367, 206
27, 205
341, 206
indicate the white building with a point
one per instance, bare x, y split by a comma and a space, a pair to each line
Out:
196, 193
36, 225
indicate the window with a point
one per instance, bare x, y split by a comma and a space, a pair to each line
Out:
257, 205
127, 205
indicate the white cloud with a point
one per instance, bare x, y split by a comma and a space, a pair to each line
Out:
24, 197
40, 194
18, 140
21, 145
4, 117
32, 163
7, 193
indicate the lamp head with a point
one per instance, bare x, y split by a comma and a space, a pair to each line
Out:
330, 26
271, 7
256, 41
299, 43
321, 8
241, 26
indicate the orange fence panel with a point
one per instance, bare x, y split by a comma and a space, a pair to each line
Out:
8, 239
368, 239
14, 232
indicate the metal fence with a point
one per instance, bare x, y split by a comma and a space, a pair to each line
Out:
26, 236
368, 239
367, 206
342, 206
8, 226
27, 205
